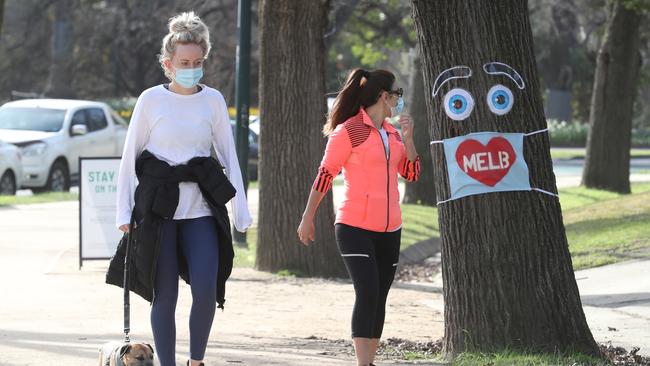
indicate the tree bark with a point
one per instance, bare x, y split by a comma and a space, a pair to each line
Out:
607, 165
292, 110
507, 272
422, 191
59, 83
556, 69
2, 12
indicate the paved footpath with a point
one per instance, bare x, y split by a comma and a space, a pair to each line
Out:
616, 300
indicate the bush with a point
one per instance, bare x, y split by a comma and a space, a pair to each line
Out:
567, 134
641, 137
123, 106
574, 134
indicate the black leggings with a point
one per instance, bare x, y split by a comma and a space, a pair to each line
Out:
371, 259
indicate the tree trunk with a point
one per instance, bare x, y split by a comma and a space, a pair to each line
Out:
422, 191
59, 82
556, 68
2, 12
292, 111
507, 272
607, 164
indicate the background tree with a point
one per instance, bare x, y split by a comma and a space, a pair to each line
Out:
59, 82
422, 191
114, 45
381, 34
2, 11
607, 165
507, 271
293, 109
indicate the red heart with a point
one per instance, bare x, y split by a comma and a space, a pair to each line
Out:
487, 164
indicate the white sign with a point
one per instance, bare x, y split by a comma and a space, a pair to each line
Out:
98, 236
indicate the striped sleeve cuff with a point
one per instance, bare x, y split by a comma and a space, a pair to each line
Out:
411, 169
323, 181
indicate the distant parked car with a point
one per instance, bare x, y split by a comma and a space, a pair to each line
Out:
253, 144
11, 172
53, 133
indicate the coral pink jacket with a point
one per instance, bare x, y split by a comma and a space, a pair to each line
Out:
371, 193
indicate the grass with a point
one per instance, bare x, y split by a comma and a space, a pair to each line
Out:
512, 358
604, 228
576, 197
38, 198
579, 153
418, 223
414, 356
245, 256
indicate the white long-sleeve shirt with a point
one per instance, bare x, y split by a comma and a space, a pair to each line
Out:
175, 128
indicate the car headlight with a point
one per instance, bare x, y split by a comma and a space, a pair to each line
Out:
34, 149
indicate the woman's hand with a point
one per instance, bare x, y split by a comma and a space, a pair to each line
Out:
406, 123
124, 228
306, 231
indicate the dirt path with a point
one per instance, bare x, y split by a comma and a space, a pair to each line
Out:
53, 313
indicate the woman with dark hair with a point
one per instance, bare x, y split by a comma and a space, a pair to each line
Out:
371, 153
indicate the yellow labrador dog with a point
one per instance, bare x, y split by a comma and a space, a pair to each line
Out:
126, 354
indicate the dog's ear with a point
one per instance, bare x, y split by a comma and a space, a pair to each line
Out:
124, 350
151, 348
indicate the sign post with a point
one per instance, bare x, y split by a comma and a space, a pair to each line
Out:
98, 236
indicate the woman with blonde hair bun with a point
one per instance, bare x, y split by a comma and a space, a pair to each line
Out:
176, 213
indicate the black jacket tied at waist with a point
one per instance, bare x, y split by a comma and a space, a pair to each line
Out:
156, 198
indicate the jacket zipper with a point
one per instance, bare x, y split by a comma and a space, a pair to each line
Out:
387, 153
155, 265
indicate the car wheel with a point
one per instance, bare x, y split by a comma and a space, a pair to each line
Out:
59, 178
8, 184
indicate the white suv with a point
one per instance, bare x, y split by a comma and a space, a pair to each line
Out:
11, 172
53, 133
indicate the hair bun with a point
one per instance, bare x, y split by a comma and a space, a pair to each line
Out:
186, 22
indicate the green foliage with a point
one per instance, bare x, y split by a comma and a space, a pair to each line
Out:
123, 106
574, 134
568, 134
641, 136
374, 31
377, 26
637, 5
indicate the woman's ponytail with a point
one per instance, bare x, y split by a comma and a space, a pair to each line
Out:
361, 89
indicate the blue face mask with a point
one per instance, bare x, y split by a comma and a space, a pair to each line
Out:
398, 108
188, 78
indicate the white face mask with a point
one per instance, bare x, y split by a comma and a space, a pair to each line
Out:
188, 78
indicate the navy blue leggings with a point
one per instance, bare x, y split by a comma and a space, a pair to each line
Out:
197, 239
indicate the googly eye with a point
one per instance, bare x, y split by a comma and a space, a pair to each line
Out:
500, 99
458, 104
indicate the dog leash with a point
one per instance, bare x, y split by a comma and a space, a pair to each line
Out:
127, 302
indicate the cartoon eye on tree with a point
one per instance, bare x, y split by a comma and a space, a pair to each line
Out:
507, 271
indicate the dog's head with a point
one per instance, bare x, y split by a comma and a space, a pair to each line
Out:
137, 354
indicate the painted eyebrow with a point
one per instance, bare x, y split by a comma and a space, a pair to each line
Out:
456, 72
499, 68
